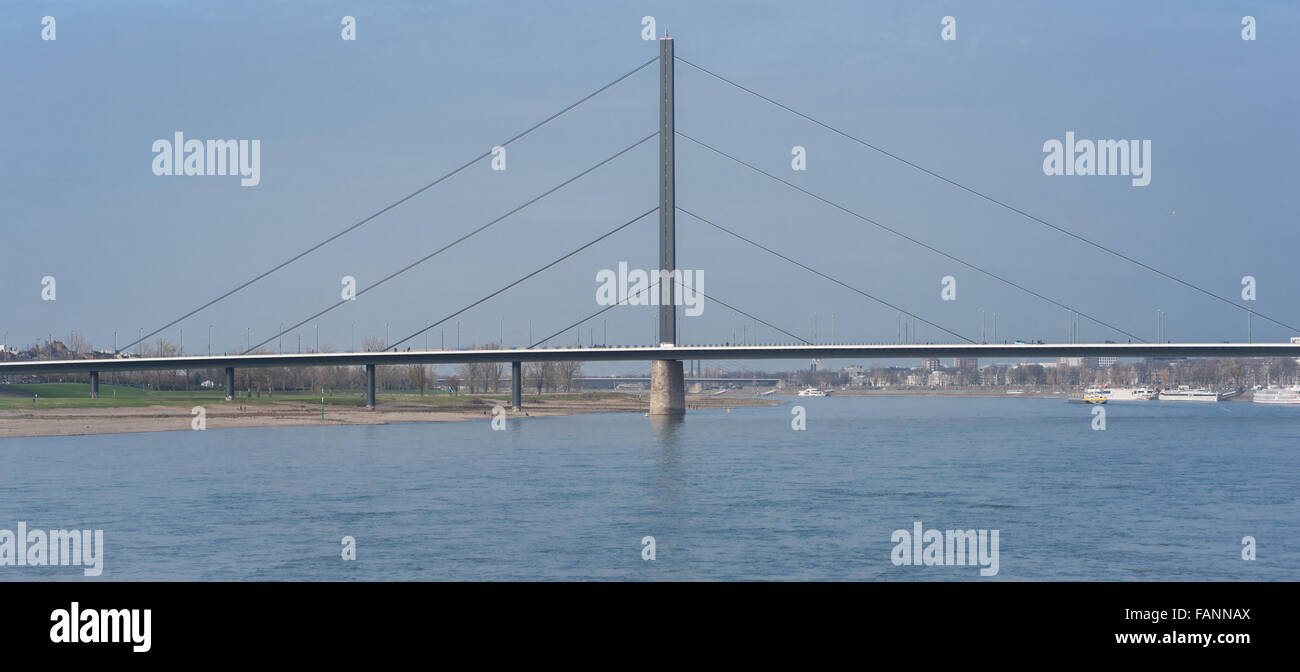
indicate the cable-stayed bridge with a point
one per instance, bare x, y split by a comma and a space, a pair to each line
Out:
666, 287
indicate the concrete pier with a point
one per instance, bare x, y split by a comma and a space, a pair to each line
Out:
667, 388
516, 385
230, 383
94, 384
370, 387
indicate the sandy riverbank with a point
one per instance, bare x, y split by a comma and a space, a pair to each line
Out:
228, 415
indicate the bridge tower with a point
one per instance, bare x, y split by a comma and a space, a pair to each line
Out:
667, 384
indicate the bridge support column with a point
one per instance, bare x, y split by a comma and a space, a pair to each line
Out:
667, 388
94, 384
516, 385
667, 384
230, 383
370, 387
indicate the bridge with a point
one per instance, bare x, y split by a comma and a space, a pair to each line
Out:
674, 353
667, 355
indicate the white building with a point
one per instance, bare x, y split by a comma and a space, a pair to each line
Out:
939, 379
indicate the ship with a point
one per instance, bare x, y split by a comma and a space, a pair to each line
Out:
1091, 396
1130, 393
1184, 393
813, 392
1278, 395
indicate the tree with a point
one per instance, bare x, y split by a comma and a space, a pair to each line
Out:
566, 374
418, 376
538, 374
470, 373
491, 373
78, 344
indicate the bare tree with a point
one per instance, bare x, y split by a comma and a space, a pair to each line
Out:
78, 344
537, 374
566, 374
418, 376
470, 373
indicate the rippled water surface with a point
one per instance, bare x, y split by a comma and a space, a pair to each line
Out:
1166, 492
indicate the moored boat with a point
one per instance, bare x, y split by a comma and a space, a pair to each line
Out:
1131, 394
1184, 393
1278, 395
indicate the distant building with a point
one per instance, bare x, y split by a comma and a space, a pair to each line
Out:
1107, 362
939, 379
930, 364
966, 363
994, 374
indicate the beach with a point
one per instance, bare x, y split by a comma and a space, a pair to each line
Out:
233, 414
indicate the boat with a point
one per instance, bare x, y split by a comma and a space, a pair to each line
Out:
813, 392
1015, 391
1184, 393
1278, 395
1131, 394
1088, 397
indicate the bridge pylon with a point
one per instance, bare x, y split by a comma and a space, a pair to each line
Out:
667, 383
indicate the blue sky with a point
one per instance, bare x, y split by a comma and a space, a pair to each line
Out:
347, 127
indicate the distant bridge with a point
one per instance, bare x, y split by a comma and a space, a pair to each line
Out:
639, 353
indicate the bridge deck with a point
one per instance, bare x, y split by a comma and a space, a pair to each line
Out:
648, 353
